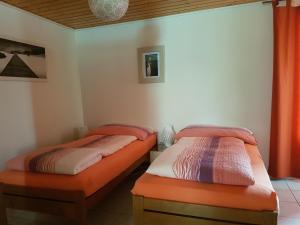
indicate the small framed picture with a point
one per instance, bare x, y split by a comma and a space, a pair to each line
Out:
151, 62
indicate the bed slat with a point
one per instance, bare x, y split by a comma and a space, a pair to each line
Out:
149, 211
68, 210
210, 212
151, 218
45, 193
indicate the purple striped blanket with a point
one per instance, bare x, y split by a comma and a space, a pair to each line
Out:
222, 160
70, 158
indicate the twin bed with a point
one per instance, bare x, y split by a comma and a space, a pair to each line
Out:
71, 196
157, 200
165, 200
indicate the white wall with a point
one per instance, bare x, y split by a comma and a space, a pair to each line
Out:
39, 113
218, 70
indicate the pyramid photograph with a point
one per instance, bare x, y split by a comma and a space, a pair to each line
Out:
20, 60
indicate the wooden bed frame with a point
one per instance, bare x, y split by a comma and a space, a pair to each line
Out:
70, 204
149, 211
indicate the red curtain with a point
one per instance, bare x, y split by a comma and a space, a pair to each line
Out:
285, 128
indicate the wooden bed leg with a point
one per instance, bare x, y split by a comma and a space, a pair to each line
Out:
3, 215
270, 219
82, 217
138, 210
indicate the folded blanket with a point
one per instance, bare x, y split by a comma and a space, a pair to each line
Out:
65, 161
122, 129
216, 131
71, 158
222, 160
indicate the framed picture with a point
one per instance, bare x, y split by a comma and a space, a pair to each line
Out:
22, 61
151, 62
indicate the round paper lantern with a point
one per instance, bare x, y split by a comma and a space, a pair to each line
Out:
108, 10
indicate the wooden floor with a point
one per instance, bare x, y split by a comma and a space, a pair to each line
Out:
116, 208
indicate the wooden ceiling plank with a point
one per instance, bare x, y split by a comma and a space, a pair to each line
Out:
76, 13
41, 3
140, 11
92, 24
162, 12
43, 6
137, 10
79, 8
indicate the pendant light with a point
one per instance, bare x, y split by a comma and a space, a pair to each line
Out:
109, 10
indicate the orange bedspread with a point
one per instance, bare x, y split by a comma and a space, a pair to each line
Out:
90, 180
260, 196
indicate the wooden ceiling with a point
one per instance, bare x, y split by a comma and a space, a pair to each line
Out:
76, 13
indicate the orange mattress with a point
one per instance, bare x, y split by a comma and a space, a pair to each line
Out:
260, 196
91, 179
